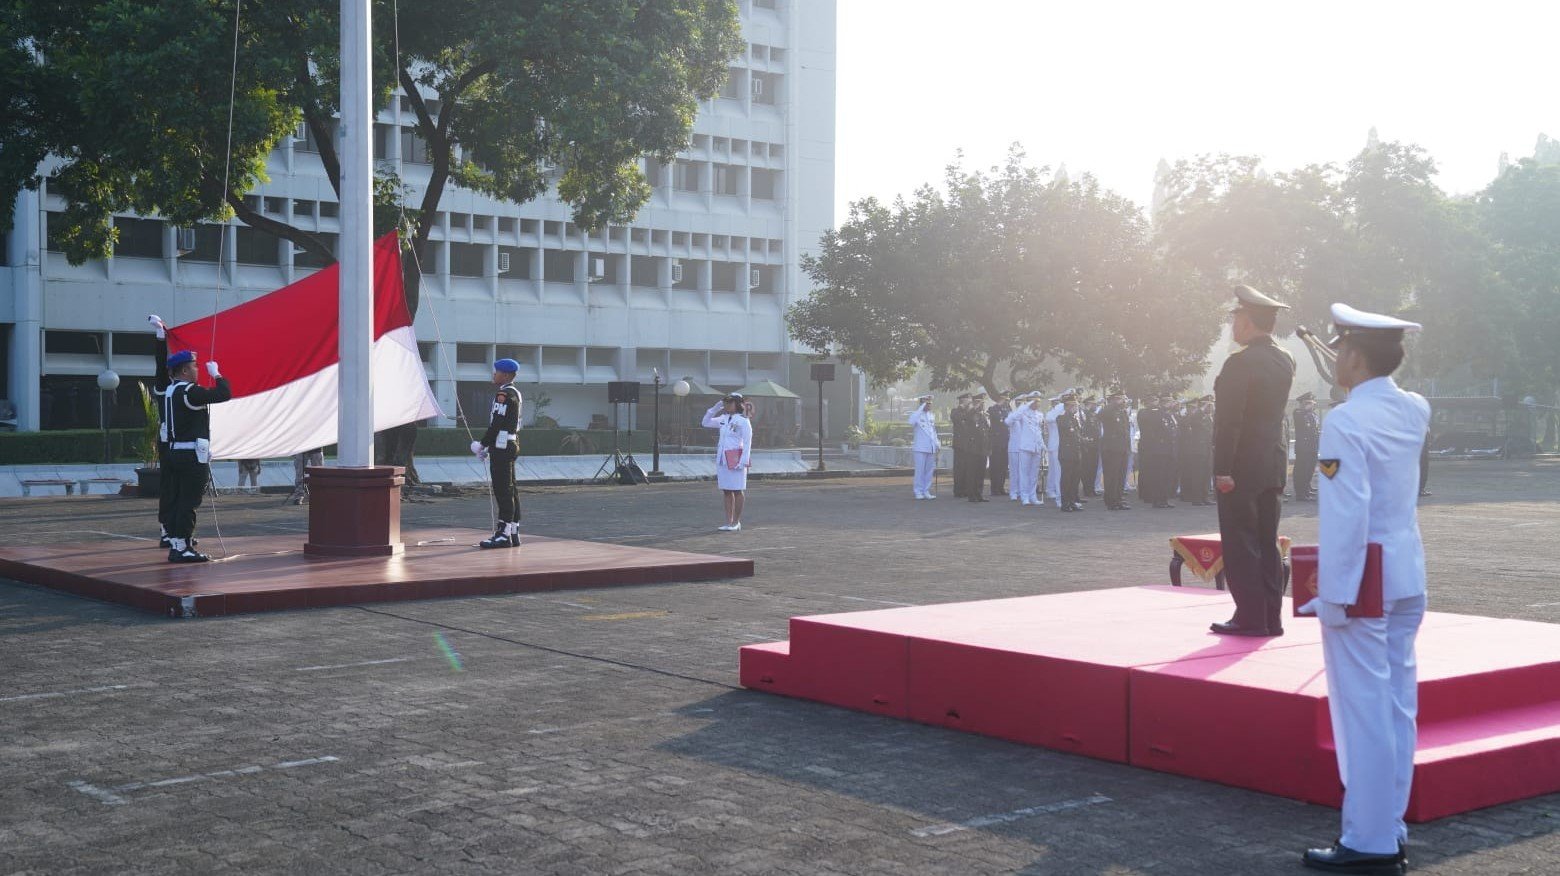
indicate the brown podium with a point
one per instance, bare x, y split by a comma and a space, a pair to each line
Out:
355, 512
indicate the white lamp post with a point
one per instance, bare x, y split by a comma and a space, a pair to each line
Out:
108, 381
681, 389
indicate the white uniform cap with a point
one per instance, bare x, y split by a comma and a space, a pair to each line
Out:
1349, 319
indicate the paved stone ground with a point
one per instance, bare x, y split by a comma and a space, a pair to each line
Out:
598, 732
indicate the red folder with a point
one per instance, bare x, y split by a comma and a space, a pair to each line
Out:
1302, 565
733, 458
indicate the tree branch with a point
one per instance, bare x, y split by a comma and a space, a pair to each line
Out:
257, 220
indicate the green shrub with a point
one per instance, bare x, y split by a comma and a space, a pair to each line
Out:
67, 446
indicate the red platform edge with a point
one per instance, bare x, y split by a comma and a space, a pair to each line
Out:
273, 573
1131, 676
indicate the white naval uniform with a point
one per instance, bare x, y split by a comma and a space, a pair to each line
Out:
1025, 433
735, 433
1015, 461
1369, 458
1053, 443
924, 447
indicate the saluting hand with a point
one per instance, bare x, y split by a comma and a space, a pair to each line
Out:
213, 370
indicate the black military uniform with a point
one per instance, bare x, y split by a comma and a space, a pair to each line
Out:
1252, 391
1308, 434
186, 469
1194, 451
1089, 467
1069, 454
1115, 450
975, 454
997, 444
959, 417
501, 444
1156, 455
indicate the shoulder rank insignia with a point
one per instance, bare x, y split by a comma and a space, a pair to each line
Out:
1328, 467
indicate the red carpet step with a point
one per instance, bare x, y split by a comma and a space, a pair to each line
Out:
1133, 676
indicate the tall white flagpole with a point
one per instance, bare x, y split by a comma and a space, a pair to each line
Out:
355, 418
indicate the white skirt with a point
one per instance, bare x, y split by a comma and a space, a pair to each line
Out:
728, 479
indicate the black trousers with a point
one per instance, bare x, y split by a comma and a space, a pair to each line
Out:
1196, 475
1072, 465
1305, 469
164, 495
183, 485
1248, 529
501, 471
1090, 467
999, 468
1115, 465
960, 459
1156, 477
974, 473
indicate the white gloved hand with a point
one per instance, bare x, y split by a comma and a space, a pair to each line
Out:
157, 323
1332, 614
1309, 609
476, 448
212, 369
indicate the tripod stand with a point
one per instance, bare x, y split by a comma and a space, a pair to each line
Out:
620, 466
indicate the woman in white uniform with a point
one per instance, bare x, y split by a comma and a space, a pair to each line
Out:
733, 453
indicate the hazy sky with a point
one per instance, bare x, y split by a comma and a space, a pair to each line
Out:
1110, 87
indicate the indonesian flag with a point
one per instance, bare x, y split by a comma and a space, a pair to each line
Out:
280, 354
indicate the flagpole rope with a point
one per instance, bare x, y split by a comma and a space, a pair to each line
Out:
216, 294
438, 331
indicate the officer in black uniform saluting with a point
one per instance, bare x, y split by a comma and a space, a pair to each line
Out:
500, 445
186, 430
1308, 434
1115, 448
1069, 451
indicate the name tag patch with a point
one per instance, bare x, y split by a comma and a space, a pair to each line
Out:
1328, 467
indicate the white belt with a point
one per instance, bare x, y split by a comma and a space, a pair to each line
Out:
182, 445
504, 438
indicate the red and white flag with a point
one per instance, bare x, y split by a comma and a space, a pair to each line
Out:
280, 353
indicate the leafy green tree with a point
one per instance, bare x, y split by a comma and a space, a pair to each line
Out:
1000, 278
130, 103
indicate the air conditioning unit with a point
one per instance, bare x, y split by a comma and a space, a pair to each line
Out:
598, 268
184, 241
758, 86
755, 278
677, 274
503, 262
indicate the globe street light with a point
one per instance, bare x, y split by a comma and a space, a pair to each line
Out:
107, 382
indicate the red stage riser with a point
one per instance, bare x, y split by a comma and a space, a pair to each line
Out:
1128, 675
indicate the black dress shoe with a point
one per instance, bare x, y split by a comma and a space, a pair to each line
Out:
1231, 629
1342, 859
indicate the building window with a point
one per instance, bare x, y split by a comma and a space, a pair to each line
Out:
468, 259
731, 89
310, 144
765, 184
255, 247
329, 209
138, 238
73, 343
685, 176
645, 272
723, 276
471, 354
558, 266
208, 244
726, 179
414, 149
382, 137
519, 262
766, 88
306, 259
135, 344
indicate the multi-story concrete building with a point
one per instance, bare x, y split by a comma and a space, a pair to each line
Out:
697, 285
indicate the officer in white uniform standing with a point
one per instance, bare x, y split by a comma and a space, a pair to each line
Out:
1026, 425
924, 446
1053, 442
1369, 461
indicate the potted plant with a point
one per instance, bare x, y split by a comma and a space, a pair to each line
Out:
148, 475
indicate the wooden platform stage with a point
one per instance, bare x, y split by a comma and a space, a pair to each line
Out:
1133, 676
271, 573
